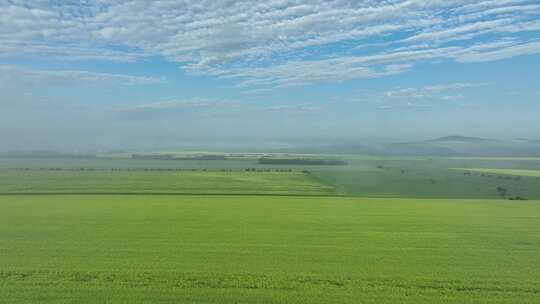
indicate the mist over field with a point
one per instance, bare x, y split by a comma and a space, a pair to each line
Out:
28, 124
63, 130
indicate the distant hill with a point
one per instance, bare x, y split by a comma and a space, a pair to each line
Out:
458, 145
459, 138
447, 146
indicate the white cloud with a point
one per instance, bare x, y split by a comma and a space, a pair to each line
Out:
275, 42
171, 105
463, 32
295, 109
448, 91
294, 73
500, 53
451, 87
10, 74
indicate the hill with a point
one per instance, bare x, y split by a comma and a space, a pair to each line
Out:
447, 146
459, 138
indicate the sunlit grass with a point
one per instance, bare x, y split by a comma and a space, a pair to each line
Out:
176, 182
197, 249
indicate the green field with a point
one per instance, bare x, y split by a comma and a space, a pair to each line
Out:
428, 179
378, 230
404, 177
159, 182
197, 249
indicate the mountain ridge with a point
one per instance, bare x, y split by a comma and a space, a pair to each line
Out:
460, 138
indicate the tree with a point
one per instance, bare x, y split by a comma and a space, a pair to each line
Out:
502, 191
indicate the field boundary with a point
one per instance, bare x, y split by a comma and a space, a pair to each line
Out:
198, 194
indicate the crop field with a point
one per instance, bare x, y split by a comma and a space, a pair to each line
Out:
405, 177
425, 178
377, 230
160, 182
269, 152
200, 249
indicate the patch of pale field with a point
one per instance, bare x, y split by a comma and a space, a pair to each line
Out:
496, 158
515, 172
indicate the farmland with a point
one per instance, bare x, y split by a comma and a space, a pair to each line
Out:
135, 249
404, 177
379, 230
269, 152
159, 182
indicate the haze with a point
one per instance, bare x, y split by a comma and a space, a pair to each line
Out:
162, 74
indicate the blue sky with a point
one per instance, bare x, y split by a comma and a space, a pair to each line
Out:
141, 74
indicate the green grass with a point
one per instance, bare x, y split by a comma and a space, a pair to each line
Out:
227, 249
177, 182
453, 241
515, 172
423, 181
363, 177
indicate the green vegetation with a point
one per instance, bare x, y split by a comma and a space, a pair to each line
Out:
427, 178
185, 249
241, 231
516, 172
91, 181
364, 176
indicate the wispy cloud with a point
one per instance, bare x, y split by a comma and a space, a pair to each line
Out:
500, 53
294, 73
170, 105
187, 109
273, 43
11, 74
296, 109
449, 91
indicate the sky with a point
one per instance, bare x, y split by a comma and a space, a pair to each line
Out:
165, 74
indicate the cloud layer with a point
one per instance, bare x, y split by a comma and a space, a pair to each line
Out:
274, 43
11, 74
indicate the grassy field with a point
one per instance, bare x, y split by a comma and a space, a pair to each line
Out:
419, 177
515, 172
410, 230
159, 182
199, 249
422, 179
